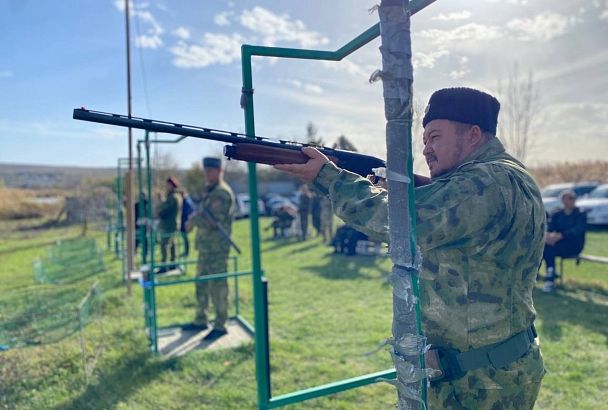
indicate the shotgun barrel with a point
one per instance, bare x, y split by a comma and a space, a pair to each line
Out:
243, 147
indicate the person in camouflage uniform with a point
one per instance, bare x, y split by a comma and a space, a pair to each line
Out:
213, 248
168, 212
480, 226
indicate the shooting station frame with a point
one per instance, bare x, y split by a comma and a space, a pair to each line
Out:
260, 284
265, 399
149, 281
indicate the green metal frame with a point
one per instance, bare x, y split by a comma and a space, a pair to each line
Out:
262, 346
151, 283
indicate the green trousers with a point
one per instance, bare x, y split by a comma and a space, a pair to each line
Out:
215, 290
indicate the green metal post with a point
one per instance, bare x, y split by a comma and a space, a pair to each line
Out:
260, 317
108, 208
236, 285
141, 232
115, 228
151, 292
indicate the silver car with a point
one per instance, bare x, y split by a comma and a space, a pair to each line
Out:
596, 206
551, 193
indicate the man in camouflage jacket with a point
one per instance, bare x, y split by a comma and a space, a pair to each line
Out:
480, 227
213, 248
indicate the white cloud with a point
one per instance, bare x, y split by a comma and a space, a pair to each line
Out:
543, 27
152, 38
152, 42
458, 74
428, 60
470, 31
58, 130
604, 13
587, 118
274, 28
308, 87
516, 2
182, 32
349, 67
573, 131
225, 48
459, 15
223, 19
6, 74
213, 49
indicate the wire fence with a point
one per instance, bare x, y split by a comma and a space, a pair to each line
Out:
45, 314
69, 261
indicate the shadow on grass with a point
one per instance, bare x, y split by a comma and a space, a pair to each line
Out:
39, 315
340, 266
27, 247
115, 385
584, 306
47, 224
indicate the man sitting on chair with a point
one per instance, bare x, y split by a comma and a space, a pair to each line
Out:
565, 235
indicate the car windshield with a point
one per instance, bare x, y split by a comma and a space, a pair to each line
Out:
553, 191
601, 192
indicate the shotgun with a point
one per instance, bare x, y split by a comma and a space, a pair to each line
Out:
242, 147
207, 214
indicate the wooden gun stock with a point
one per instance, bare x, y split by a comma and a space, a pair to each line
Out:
266, 155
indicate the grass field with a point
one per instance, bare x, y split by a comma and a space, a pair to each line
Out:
326, 312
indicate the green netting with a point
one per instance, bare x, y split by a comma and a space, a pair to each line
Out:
69, 261
43, 314
69, 247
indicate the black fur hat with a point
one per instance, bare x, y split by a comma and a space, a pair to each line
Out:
465, 105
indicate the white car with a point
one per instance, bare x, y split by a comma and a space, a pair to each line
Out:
596, 206
242, 206
551, 193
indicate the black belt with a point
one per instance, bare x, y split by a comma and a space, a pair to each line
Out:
453, 364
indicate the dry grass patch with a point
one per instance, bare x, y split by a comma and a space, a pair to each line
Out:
571, 172
25, 203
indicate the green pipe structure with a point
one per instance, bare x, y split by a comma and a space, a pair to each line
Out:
151, 283
149, 316
262, 343
141, 230
142, 211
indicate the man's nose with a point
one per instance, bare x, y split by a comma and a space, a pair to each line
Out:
426, 150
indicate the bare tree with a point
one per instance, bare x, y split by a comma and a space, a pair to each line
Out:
164, 167
520, 104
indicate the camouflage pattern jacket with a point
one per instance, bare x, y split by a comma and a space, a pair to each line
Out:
168, 212
219, 200
481, 232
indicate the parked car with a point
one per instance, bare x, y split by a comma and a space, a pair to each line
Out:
596, 206
242, 206
551, 193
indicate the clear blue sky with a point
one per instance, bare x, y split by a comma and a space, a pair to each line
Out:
59, 55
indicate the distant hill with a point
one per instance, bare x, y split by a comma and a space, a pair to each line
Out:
48, 176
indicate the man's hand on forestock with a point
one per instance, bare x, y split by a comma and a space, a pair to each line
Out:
306, 172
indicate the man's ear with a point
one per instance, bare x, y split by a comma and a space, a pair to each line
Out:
475, 136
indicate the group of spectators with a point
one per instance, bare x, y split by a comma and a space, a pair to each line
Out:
172, 212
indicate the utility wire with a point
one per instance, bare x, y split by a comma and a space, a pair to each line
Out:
141, 62
145, 86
